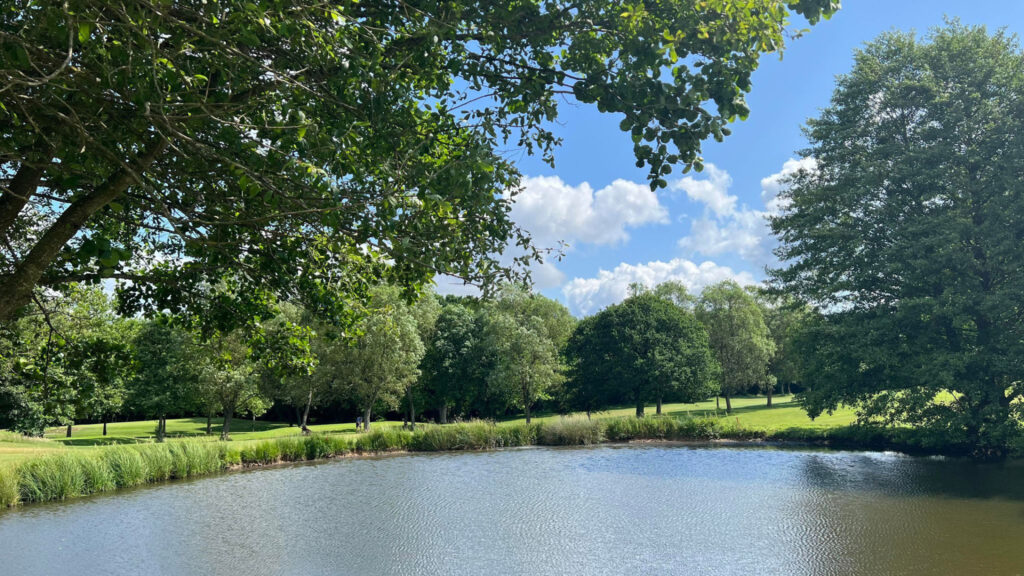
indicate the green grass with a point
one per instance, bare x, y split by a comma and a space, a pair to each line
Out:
56, 468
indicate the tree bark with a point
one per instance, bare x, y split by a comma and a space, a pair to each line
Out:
104, 426
160, 429
659, 406
639, 409
69, 431
305, 413
19, 285
442, 413
527, 412
728, 404
209, 422
225, 432
366, 418
770, 395
253, 421
22, 187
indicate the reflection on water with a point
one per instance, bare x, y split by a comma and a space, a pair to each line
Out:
606, 510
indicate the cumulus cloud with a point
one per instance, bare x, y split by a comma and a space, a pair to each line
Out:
712, 191
554, 211
725, 228
772, 185
588, 295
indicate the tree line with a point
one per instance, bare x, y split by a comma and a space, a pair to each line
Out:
451, 358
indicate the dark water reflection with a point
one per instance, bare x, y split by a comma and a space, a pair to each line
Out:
607, 510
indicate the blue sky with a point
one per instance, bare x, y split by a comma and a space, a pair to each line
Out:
709, 226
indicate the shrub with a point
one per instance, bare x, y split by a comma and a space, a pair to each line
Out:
571, 432
52, 478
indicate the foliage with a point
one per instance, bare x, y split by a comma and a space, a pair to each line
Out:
311, 149
385, 356
738, 337
907, 236
645, 348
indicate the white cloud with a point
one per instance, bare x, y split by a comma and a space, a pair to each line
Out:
772, 185
554, 211
712, 191
743, 231
588, 295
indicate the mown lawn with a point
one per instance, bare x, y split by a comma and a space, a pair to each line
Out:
750, 413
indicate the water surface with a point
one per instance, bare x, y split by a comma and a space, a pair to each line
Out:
604, 510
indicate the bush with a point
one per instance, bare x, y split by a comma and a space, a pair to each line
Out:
571, 432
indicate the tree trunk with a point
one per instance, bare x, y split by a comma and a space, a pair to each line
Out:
69, 431
104, 426
18, 286
225, 433
366, 418
305, 414
209, 422
442, 413
718, 402
728, 404
527, 412
253, 421
639, 409
770, 395
160, 429
412, 409
659, 406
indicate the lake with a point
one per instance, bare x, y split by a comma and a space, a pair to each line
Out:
606, 510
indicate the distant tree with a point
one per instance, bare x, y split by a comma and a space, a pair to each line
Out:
527, 364
907, 237
644, 349
738, 337
449, 372
385, 355
675, 292
230, 372
167, 373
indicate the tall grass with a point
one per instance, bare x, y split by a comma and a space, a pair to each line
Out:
571, 432
10, 492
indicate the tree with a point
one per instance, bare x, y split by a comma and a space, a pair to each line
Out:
449, 371
907, 237
738, 337
166, 372
311, 148
376, 367
645, 348
527, 361
232, 375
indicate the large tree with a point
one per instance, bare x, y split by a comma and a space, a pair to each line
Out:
739, 338
307, 148
644, 349
908, 236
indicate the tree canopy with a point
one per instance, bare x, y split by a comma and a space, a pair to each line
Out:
908, 235
309, 149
